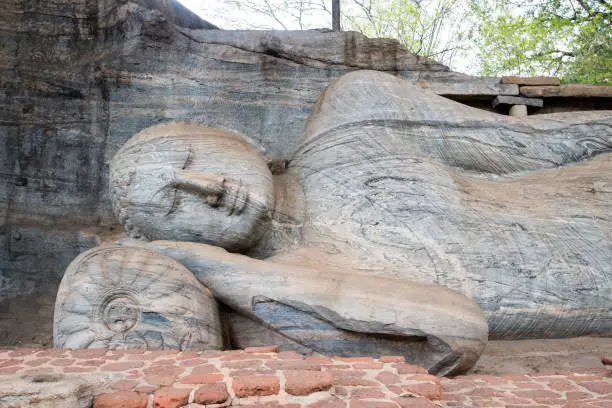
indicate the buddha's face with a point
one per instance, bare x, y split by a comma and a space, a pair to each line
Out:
191, 183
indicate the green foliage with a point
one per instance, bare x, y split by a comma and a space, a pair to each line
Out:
566, 38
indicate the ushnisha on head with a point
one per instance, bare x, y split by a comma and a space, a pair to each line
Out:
187, 182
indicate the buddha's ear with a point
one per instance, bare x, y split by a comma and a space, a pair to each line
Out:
198, 182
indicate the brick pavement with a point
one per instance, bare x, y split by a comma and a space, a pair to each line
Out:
263, 377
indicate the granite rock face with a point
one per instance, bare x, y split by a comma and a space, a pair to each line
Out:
78, 78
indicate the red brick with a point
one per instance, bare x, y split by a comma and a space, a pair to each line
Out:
602, 403
123, 366
367, 392
166, 361
193, 362
536, 394
357, 403
368, 366
423, 377
211, 354
88, 353
123, 385
562, 385
387, 377
160, 379
171, 397
414, 402
242, 364
331, 402
341, 391
164, 370
529, 385
54, 352
11, 362
205, 368
350, 378
456, 385
201, 379
256, 385
354, 359
489, 379
507, 400
37, 362
583, 377
318, 360
599, 387
517, 377
392, 359
121, 400
246, 373
284, 355
76, 369
243, 356
22, 352
486, 392
62, 362
577, 395
307, 382
211, 394
188, 355
427, 390
10, 370
262, 349
403, 368
134, 351
95, 363
292, 365
337, 367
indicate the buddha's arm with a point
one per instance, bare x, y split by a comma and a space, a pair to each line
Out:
368, 305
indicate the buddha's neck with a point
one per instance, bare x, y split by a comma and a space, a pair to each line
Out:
284, 230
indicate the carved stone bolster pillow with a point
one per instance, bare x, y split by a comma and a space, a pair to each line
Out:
113, 297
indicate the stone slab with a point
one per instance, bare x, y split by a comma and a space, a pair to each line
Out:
457, 84
538, 80
568, 91
505, 100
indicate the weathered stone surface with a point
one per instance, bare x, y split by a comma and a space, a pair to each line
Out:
118, 298
478, 200
78, 78
44, 391
517, 100
518, 111
537, 81
573, 90
456, 84
337, 159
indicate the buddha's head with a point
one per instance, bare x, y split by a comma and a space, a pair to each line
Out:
187, 182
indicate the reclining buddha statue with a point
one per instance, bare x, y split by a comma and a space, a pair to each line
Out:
405, 223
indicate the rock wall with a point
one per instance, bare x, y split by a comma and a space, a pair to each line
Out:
78, 78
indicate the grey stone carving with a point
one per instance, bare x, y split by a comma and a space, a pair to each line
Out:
398, 208
132, 298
